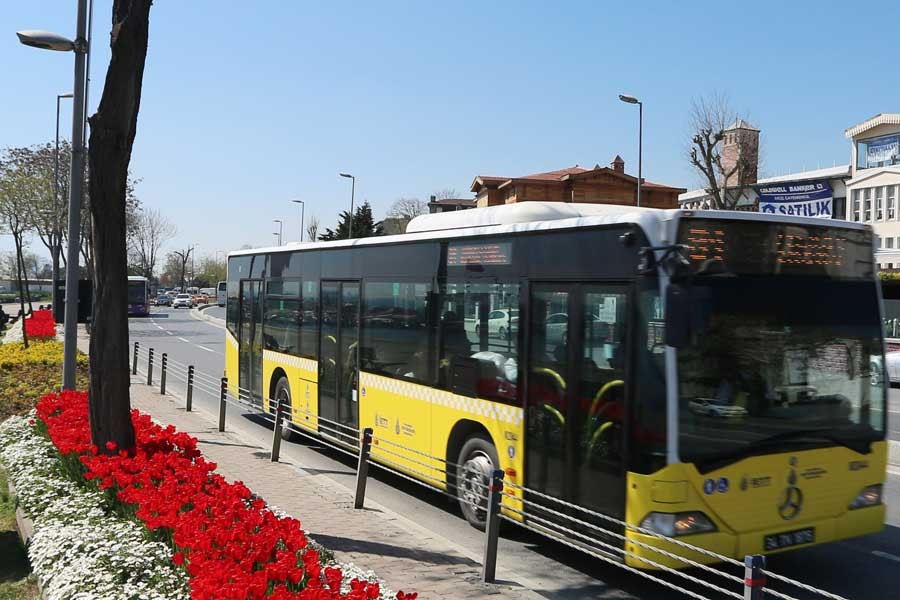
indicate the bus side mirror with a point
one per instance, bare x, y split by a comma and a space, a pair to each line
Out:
678, 315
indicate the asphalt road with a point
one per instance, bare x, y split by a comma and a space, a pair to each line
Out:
864, 568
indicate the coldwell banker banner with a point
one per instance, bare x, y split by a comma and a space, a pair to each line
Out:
805, 199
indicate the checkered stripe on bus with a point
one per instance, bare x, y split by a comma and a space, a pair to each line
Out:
473, 406
286, 360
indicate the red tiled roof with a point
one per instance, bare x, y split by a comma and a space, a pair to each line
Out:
555, 175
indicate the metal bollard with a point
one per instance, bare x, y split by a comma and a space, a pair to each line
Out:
223, 392
190, 389
150, 367
754, 577
276, 436
134, 359
162, 376
492, 530
362, 468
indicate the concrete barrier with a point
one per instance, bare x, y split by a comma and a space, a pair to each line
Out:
199, 313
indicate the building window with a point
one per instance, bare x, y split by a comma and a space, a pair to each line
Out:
857, 215
892, 202
889, 242
878, 152
879, 203
867, 205
398, 330
479, 352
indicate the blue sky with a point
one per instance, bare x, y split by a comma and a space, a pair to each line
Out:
247, 105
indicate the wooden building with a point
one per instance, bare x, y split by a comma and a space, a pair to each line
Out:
600, 185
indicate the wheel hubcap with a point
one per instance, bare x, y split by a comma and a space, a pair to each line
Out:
475, 480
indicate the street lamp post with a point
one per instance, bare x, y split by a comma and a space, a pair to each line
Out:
633, 100
280, 229
51, 41
302, 208
56, 191
352, 192
193, 273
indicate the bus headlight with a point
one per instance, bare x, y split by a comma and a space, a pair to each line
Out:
678, 524
870, 496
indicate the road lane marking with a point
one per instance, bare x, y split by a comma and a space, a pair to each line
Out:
886, 555
170, 333
185, 341
204, 348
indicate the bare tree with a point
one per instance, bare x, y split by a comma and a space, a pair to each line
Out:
113, 129
18, 189
446, 193
407, 208
727, 177
152, 230
312, 228
182, 257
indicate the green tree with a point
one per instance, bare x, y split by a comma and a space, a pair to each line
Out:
364, 225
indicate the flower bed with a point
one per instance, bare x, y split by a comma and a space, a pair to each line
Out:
229, 543
40, 325
28, 374
80, 548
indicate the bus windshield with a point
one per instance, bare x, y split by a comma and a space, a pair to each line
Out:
137, 292
778, 364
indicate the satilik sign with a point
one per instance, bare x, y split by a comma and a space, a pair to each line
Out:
803, 199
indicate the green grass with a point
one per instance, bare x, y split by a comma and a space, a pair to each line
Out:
15, 580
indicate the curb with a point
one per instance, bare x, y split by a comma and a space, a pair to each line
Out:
198, 313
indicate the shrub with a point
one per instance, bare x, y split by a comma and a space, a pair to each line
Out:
28, 374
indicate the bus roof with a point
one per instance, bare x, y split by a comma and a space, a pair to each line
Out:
657, 224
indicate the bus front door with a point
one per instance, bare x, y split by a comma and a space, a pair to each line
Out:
576, 394
339, 361
250, 341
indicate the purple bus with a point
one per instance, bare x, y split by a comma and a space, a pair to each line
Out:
138, 300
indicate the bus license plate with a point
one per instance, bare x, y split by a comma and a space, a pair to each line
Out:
777, 541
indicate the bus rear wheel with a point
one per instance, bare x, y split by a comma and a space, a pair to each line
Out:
477, 460
283, 397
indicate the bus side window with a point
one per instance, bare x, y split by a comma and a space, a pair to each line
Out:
478, 354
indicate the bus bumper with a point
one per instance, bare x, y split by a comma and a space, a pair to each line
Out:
853, 523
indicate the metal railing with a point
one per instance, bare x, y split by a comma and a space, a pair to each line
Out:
500, 500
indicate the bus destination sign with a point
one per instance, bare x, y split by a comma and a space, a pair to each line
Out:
493, 253
747, 247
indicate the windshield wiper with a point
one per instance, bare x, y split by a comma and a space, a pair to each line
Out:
863, 445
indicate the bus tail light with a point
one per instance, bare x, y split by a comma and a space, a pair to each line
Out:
678, 524
870, 496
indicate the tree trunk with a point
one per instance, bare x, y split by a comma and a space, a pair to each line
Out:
113, 129
20, 268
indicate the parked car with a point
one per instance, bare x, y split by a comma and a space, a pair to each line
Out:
714, 407
163, 300
501, 323
182, 301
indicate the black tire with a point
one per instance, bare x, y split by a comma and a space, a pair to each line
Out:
477, 330
502, 333
283, 395
477, 459
875, 378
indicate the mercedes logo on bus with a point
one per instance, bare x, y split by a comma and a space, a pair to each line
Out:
792, 499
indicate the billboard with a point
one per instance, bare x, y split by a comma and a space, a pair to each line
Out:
801, 199
882, 150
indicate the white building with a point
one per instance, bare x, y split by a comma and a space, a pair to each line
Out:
874, 185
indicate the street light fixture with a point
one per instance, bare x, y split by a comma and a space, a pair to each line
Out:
352, 192
302, 208
280, 229
52, 41
633, 100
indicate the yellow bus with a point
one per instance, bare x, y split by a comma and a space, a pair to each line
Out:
712, 376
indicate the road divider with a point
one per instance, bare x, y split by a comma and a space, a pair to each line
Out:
200, 314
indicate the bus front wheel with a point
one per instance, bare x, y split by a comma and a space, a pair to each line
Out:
477, 460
